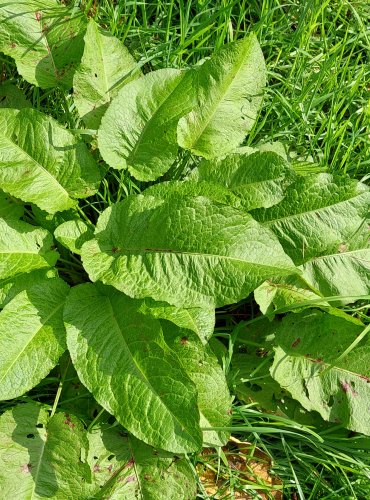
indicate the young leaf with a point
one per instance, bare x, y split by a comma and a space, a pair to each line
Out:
121, 357
124, 467
45, 40
258, 179
229, 93
201, 365
198, 320
189, 252
42, 457
320, 215
24, 248
12, 97
105, 62
73, 234
32, 336
138, 131
43, 163
308, 364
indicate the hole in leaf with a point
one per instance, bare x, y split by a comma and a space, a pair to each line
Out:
30, 436
110, 457
331, 401
40, 426
95, 458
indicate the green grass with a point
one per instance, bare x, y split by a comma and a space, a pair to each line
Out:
318, 105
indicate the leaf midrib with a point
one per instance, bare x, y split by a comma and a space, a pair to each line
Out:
142, 375
55, 181
224, 90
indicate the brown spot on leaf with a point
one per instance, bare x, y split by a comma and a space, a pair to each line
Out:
68, 421
38, 16
342, 248
110, 468
184, 340
296, 342
130, 463
13, 45
96, 468
26, 468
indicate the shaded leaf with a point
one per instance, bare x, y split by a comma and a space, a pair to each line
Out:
308, 364
24, 248
73, 234
44, 39
12, 97
42, 457
10, 208
257, 179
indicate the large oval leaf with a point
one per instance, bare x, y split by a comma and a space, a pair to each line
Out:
121, 357
138, 131
320, 214
258, 179
309, 364
32, 336
126, 468
229, 93
43, 163
105, 62
42, 457
189, 252
44, 38
24, 248
201, 365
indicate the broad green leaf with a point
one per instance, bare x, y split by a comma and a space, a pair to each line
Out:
274, 147
105, 62
284, 292
12, 97
258, 179
191, 188
43, 163
138, 131
344, 273
73, 234
124, 467
201, 365
308, 364
189, 252
198, 320
10, 208
121, 357
10, 287
43, 38
32, 336
52, 221
320, 215
24, 248
42, 457
229, 90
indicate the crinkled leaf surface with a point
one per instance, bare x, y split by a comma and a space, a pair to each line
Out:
24, 248
32, 336
43, 163
10, 287
229, 90
43, 38
198, 320
320, 215
189, 252
42, 457
10, 208
73, 234
121, 357
12, 97
124, 467
307, 364
258, 179
201, 365
138, 131
105, 62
